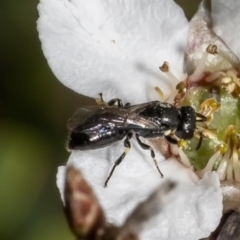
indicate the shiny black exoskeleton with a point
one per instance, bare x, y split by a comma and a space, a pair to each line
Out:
181, 121
98, 126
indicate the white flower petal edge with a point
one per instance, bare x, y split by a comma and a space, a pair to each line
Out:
226, 20
113, 47
194, 213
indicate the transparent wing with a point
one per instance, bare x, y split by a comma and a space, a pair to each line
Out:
82, 115
111, 117
140, 107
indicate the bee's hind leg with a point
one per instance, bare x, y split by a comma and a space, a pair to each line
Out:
147, 147
171, 140
100, 100
127, 146
112, 102
115, 100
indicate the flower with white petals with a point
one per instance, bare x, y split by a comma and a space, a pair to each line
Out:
116, 47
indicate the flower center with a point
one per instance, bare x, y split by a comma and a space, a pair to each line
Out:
215, 95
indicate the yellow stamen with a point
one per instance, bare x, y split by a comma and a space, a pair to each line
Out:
161, 94
214, 76
182, 144
166, 69
199, 71
236, 167
223, 166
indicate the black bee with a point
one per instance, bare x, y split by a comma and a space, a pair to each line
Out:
98, 126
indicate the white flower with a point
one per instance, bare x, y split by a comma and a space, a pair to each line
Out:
116, 47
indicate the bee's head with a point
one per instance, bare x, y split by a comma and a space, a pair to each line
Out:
187, 123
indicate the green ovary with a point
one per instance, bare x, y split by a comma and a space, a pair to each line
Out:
228, 114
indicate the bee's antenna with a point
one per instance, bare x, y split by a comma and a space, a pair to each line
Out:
200, 139
200, 118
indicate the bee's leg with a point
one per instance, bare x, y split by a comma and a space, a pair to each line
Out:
200, 139
200, 118
115, 100
171, 140
127, 146
101, 97
147, 147
119, 102
100, 100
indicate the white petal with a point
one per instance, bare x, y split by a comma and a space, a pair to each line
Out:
114, 47
193, 215
61, 181
226, 20
200, 37
195, 212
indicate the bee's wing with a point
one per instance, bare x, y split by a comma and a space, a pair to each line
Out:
82, 115
129, 118
93, 117
111, 117
134, 121
141, 107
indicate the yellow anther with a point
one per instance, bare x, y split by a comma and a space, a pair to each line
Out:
212, 49
231, 83
181, 87
230, 132
211, 105
182, 144
208, 107
164, 67
222, 148
226, 79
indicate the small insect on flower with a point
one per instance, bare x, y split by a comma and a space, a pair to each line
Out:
98, 126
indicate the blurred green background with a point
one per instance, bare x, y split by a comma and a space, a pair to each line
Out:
34, 109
